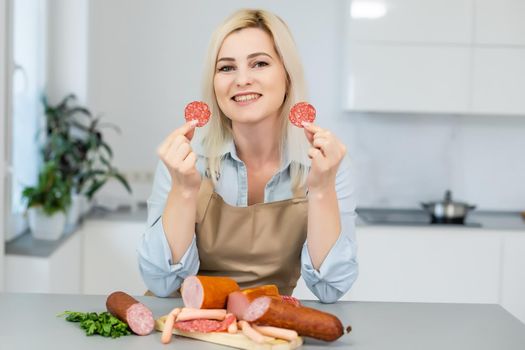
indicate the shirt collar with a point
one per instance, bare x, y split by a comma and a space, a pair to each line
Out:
229, 148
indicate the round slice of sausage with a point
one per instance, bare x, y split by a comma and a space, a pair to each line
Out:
197, 110
302, 112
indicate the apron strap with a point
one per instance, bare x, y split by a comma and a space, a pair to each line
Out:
299, 192
205, 193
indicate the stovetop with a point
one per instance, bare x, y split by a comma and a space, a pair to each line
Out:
404, 217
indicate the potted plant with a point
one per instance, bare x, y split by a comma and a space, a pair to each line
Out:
47, 203
75, 139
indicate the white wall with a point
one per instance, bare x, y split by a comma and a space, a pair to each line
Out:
145, 63
67, 49
3, 83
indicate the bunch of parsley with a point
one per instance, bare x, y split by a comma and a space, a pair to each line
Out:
104, 323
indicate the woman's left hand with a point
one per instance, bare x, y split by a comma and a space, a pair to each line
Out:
326, 153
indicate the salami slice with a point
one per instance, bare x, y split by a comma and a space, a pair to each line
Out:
127, 309
205, 326
199, 111
302, 112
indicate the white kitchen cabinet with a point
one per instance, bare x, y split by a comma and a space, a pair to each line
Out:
60, 272
500, 22
445, 21
498, 80
459, 57
110, 257
428, 265
421, 264
513, 274
407, 78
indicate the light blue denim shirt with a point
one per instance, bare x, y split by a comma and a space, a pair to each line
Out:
337, 272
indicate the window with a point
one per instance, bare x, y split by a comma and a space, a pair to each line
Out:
25, 113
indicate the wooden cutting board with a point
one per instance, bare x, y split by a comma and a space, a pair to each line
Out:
238, 340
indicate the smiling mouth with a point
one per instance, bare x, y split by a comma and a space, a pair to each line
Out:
246, 98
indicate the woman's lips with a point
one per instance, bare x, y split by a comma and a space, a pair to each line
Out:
249, 99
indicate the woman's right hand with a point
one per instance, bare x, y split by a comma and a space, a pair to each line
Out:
176, 153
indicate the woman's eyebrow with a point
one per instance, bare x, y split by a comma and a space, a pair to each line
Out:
248, 57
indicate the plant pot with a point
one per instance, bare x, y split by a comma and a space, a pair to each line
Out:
46, 227
75, 209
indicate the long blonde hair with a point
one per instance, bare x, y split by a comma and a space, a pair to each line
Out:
219, 131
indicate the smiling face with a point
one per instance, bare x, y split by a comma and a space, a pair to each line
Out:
250, 79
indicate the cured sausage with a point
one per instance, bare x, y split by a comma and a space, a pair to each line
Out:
207, 292
239, 301
199, 111
290, 300
302, 112
304, 320
127, 309
205, 326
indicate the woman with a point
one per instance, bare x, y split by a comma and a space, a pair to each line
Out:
258, 200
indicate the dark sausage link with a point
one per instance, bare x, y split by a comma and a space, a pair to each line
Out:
305, 321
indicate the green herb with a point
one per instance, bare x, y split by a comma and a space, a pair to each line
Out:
104, 323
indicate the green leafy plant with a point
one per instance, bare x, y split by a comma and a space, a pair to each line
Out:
52, 191
103, 324
75, 139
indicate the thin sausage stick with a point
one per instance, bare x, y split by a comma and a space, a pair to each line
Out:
187, 314
251, 333
175, 312
281, 333
167, 332
232, 328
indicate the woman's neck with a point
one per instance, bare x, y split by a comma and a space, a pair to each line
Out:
258, 144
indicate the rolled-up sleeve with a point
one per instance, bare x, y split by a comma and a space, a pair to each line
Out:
160, 274
339, 270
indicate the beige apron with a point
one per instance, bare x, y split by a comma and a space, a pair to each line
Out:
254, 245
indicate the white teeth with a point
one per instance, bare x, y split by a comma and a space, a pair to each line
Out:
244, 98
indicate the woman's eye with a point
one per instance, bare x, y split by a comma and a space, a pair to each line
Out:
225, 69
260, 64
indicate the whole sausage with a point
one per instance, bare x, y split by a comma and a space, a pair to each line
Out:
304, 320
127, 309
207, 292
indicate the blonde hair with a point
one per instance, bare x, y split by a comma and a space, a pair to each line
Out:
219, 131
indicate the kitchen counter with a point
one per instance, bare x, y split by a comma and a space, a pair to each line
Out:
28, 321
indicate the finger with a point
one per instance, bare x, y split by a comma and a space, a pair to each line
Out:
175, 156
311, 131
188, 130
321, 143
314, 153
189, 162
309, 136
312, 127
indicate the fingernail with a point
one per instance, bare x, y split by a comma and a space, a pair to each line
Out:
194, 122
305, 124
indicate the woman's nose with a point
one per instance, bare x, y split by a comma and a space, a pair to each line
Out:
243, 77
